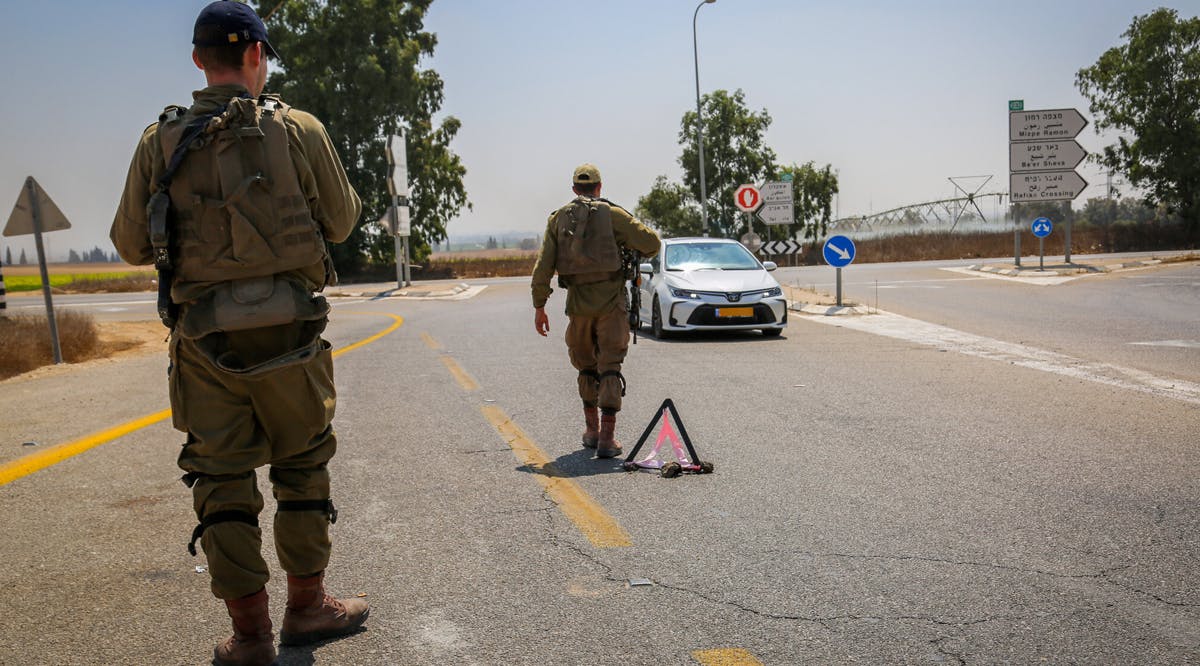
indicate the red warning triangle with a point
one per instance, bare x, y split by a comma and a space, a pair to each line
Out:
685, 461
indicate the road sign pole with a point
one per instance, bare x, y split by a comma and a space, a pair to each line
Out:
1067, 242
1041, 254
839, 286
1016, 235
394, 219
41, 251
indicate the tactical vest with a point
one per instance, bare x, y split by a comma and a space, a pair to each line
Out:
587, 248
238, 208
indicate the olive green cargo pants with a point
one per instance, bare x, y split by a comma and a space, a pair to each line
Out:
237, 422
597, 345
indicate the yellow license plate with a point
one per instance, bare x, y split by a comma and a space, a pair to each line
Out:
735, 312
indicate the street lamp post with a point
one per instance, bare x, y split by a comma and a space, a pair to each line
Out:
699, 123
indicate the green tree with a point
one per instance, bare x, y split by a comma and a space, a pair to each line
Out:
73, 257
355, 64
812, 196
8, 256
671, 209
1149, 88
734, 153
24, 261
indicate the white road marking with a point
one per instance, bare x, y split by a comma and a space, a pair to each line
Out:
1040, 281
42, 306
942, 337
1186, 344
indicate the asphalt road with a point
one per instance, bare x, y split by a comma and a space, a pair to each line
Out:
990, 471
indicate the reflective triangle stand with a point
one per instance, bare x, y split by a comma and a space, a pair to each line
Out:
684, 462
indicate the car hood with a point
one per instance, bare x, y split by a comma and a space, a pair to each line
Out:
721, 280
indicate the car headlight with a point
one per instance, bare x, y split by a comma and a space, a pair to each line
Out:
773, 291
685, 294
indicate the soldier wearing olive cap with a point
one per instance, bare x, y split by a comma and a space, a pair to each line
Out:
583, 244
234, 198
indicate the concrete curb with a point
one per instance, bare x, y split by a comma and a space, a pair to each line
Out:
828, 310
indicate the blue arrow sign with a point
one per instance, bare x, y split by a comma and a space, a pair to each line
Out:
838, 251
1042, 227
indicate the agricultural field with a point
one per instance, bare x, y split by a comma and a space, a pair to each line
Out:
91, 277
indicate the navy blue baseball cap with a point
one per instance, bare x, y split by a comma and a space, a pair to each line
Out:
237, 23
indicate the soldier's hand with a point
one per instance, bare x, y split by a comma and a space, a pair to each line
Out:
541, 322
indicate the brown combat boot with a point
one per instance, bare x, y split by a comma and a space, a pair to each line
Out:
252, 643
607, 446
591, 417
312, 615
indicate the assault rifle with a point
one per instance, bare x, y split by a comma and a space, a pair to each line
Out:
630, 261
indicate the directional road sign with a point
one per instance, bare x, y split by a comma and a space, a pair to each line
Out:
1045, 124
747, 198
838, 251
1042, 227
1044, 155
1045, 186
776, 203
781, 247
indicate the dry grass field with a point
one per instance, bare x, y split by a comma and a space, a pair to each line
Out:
25, 340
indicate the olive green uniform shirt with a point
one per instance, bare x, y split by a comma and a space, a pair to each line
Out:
596, 298
334, 204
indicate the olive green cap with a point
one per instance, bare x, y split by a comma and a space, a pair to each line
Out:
586, 174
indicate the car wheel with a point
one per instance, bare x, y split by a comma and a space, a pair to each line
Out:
656, 321
772, 332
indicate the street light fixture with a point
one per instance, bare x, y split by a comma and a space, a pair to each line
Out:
699, 124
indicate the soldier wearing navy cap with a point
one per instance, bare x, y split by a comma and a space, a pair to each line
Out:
583, 244
234, 198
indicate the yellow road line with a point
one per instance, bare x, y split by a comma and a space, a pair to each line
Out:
395, 325
430, 342
26, 465
464, 379
725, 657
34, 462
596, 524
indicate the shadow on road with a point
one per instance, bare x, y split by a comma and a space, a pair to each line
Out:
577, 463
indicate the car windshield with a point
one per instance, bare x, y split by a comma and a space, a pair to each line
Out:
709, 256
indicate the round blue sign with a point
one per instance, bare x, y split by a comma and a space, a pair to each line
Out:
838, 251
1042, 227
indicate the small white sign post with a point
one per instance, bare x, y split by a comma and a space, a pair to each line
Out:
397, 214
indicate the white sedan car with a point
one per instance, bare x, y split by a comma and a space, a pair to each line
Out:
710, 284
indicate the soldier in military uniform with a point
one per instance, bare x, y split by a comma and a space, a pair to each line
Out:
583, 244
251, 196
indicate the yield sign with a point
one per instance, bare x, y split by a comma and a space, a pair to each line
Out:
49, 217
747, 198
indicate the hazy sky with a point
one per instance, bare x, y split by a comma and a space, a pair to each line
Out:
897, 96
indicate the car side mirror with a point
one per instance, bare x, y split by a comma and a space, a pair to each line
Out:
646, 268
770, 265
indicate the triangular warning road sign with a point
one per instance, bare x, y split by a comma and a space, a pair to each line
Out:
684, 462
50, 218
